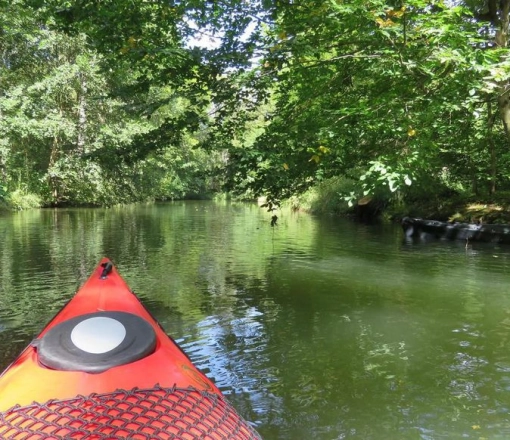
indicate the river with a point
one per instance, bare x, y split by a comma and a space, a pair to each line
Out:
318, 328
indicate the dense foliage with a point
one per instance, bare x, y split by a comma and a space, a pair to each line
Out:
88, 119
405, 98
107, 102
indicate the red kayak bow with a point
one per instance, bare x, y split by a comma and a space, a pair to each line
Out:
103, 368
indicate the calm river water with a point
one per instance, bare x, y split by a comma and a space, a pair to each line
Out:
314, 329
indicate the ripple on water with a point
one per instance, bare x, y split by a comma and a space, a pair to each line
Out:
230, 349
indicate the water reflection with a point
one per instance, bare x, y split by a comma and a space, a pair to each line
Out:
318, 328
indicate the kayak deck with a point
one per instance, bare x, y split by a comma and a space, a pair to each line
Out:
103, 368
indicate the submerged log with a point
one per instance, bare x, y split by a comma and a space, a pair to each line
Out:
427, 229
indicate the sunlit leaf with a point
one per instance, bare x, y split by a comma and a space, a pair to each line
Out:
384, 23
396, 12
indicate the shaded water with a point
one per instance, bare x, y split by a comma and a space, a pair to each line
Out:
319, 328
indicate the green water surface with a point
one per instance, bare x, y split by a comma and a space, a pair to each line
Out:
314, 329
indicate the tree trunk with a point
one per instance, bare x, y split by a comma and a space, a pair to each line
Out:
82, 116
492, 148
504, 89
52, 179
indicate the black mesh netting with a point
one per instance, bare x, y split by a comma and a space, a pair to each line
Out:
138, 414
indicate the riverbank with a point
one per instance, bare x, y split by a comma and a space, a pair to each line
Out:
329, 199
470, 209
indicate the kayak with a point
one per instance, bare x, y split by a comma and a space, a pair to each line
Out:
103, 368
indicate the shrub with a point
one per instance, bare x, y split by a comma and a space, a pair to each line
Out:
328, 197
19, 200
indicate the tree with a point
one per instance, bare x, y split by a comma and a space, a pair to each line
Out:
83, 127
397, 95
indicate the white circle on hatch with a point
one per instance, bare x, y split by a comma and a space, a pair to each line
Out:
98, 335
